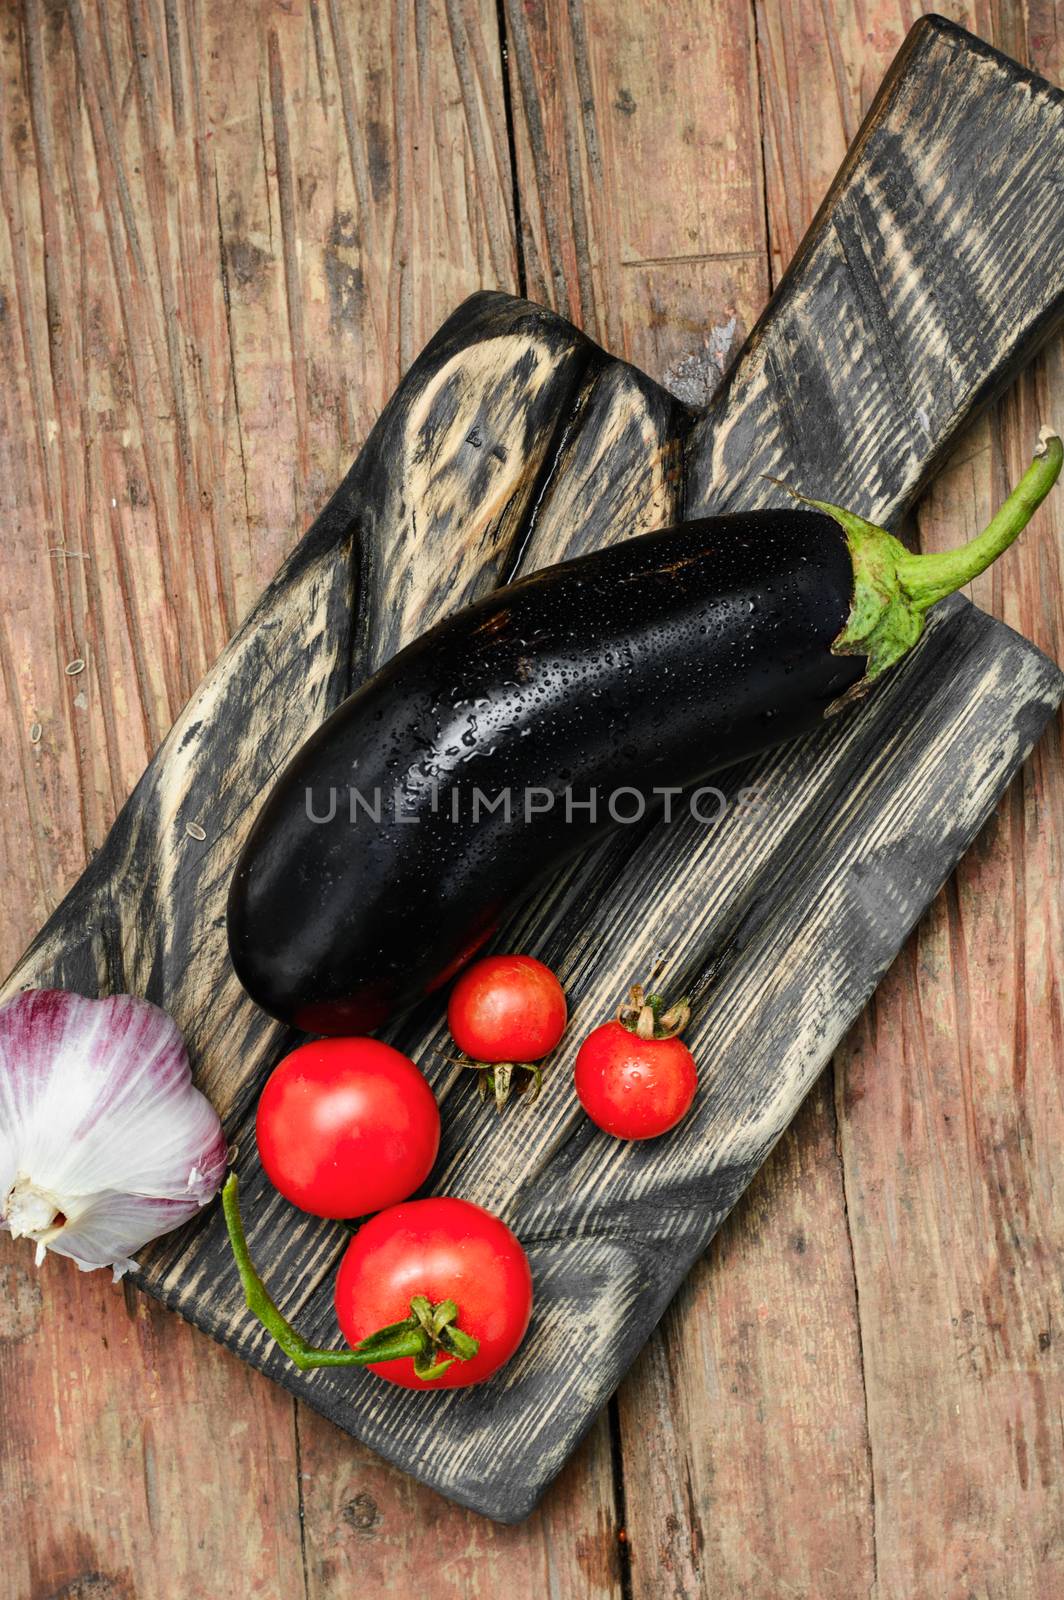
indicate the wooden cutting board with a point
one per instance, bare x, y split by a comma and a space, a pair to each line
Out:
931, 273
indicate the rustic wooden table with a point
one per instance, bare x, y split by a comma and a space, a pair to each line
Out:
227, 229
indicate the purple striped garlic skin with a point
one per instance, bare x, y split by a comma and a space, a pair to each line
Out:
105, 1143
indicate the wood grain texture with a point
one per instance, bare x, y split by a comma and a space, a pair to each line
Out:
819, 68
639, 173
465, 434
895, 293
802, 50
373, 1530
953, 1506
762, 1555
715, 1450
320, 184
747, 1402
966, 1193
97, 1484
194, 358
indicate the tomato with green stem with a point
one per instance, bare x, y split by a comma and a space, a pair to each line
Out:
432, 1294
446, 1250
507, 1013
634, 1076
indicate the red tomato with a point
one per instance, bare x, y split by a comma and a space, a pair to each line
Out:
507, 1008
347, 1126
445, 1250
631, 1087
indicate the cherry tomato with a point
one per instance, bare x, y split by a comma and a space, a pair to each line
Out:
347, 1126
507, 1008
631, 1087
443, 1249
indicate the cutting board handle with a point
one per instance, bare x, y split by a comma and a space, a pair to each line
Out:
931, 273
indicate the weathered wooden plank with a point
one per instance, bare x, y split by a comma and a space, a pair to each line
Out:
681, 110
819, 69
806, 1492
924, 1086
373, 1530
888, 314
743, 1420
727, 1453
949, 1106
298, 290
124, 1449
151, 493
639, 168
635, 1261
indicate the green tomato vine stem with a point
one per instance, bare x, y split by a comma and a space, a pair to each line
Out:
430, 1335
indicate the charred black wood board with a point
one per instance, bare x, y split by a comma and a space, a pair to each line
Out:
932, 272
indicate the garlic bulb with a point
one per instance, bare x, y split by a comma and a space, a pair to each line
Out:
104, 1141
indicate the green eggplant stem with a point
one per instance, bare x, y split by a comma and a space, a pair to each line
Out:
427, 1332
929, 578
893, 588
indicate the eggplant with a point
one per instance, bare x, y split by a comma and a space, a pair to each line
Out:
509, 736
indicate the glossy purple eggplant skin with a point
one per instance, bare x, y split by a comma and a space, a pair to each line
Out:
648, 665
